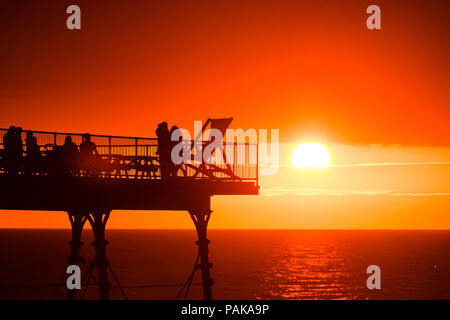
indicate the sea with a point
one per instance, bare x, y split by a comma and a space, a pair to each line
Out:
247, 264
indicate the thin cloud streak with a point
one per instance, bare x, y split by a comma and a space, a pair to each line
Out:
339, 192
421, 194
390, 164
373, 164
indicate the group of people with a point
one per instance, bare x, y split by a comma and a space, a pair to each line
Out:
72, 158
67, 158
165, 145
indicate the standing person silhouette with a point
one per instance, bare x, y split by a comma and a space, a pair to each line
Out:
173, 166
163, 134
88, 153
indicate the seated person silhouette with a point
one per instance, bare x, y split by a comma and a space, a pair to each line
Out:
88, 153
19, 145
13, 150
8, 141
69, 153
33, 159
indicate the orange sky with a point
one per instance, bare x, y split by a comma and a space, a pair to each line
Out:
308, 68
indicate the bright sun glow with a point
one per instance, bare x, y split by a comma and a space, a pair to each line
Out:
310, 155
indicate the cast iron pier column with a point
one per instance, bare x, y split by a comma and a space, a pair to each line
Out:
201, 219
77, 221
98, 219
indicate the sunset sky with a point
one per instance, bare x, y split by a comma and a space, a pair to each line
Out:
379, 100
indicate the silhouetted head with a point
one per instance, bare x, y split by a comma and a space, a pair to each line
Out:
12, 129
19, 130
87, 137
173, 130
68, 140
29, 134
164, 126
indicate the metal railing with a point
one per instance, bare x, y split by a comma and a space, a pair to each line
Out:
137, 158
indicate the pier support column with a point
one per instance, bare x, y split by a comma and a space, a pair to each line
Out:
77, 221
98, 220
201, 219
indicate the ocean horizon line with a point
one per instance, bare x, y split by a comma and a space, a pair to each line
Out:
231, 229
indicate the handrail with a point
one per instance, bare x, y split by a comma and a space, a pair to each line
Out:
120, 137
81, 134
116, 150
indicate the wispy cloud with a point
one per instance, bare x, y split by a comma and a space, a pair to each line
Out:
339, 192
315, 192
387, 164
379, 164
421, 194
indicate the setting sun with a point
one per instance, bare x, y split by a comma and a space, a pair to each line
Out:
310, 155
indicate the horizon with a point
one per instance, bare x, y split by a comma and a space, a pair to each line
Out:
375, 99
214, 229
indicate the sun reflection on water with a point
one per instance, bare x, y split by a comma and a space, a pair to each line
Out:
313, 272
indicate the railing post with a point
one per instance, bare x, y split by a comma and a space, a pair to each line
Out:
109, 147
235, 158
136, 143
54, 139
257, 163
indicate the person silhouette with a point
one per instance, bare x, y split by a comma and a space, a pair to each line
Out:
8, 145
69, 152
173, 166
33, 159
88, 153
163, 134
18, 148
19, 141
12, 142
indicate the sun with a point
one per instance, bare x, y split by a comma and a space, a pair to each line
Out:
310, 155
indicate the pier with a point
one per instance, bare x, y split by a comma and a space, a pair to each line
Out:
126, 175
